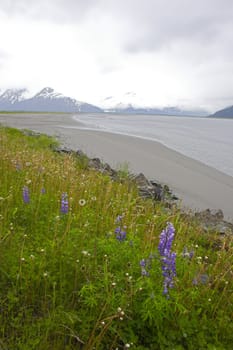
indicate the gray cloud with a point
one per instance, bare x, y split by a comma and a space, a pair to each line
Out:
192, 38
148, 25
53, 10
155, 24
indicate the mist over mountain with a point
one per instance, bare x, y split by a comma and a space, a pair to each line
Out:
129, 102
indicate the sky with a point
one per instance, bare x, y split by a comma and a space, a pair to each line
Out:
168, 52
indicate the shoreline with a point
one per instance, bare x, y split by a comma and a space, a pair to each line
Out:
199, 186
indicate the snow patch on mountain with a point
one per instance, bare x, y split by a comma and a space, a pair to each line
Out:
13, 96
47, 100
127, 100
50, 93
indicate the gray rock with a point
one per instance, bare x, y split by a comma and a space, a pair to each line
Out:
213, 220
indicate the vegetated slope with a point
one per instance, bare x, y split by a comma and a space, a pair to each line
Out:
83, 263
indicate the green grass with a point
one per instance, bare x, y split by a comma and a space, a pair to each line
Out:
68, 283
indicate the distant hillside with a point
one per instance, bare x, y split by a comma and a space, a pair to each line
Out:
47, 100
223, 113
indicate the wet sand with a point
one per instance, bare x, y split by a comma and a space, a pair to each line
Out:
198, 185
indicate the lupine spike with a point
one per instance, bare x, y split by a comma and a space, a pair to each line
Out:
26, 195
168, 258
64, 203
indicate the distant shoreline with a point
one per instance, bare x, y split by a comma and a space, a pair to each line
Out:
199, 185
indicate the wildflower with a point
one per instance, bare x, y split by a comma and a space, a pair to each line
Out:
144, 272
187, 254
119, 218
120, 231
26, 196
143, 263
168, 258
64, 203
82, 202
85, 252
166, 239
120, 235
204, 278
43, 191
93, 198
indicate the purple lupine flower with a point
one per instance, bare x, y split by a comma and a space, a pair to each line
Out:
168, 258
187, 254
120, 231
120, 235
26, 196
195, 282
191, 254
64, 203
145, 265
144, 272
119, 218
142, 263
166, 239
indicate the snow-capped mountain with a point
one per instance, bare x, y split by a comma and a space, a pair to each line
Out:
131, 103
46, 100
11, 97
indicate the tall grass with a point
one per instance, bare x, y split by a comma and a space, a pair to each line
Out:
90, 276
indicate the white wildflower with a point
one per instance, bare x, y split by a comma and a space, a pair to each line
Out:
82, 202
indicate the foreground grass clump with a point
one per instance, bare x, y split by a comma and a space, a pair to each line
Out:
84, 265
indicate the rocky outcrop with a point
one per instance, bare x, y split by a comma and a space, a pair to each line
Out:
210, 220
213, 220
147, 188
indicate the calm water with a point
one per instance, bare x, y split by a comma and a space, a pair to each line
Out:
207, 140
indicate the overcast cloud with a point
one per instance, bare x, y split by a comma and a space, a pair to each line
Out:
170, 52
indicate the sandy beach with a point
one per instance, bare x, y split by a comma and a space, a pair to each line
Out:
197, 185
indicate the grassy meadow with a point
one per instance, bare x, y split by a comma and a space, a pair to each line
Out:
85, 263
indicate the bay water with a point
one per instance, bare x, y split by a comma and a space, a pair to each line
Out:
208, 140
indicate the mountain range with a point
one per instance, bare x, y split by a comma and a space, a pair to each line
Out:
48, 100
129, 102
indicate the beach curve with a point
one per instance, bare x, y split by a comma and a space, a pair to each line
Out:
199, 186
